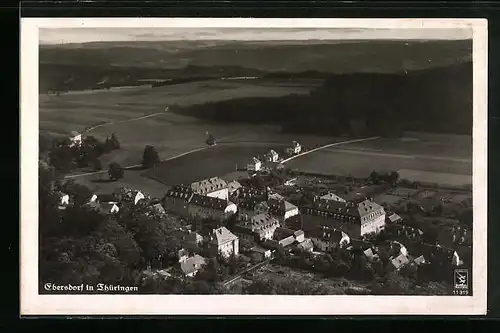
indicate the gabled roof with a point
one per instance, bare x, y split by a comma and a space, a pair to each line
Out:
192, 264
332, 196
394, 217
370, 253
287, 241
399, 261
233, 186
74, 133
158, 208
419, 260
222, 236
259, 249
179, 192
209, 185
210, 202
329, 234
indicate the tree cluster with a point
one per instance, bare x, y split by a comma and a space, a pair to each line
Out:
64, 157
81, 245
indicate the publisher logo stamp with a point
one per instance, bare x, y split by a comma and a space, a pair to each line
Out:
461, 279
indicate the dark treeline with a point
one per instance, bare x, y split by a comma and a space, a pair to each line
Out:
435, 100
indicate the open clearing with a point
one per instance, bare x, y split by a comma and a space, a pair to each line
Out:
384, 155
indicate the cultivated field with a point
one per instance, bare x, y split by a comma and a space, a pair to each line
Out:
170, 133
422, 160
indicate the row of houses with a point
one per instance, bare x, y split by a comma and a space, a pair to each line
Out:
272, 156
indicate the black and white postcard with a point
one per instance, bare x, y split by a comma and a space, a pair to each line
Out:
253, 166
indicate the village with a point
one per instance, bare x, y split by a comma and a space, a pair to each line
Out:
268, 214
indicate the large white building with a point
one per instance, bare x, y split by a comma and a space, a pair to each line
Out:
212, 187
355, 219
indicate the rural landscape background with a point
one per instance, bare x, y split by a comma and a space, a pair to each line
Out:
413, 97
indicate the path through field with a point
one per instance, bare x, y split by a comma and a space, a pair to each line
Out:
327, 146
122, 121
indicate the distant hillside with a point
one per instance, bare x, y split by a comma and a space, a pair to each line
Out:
327, 56
433, 100
83, 66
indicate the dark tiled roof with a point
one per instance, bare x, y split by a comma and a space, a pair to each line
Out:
192, 264
210, 202
209, 185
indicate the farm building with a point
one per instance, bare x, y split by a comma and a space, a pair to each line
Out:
261, 226
254, 165
356, 219
222, 241
271, 156
75, 138
213, 187
209, 207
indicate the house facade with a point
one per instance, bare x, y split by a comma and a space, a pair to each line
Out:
282, 209
210, 207
222, 241
75, 138
355, 219
326, 239
254, 165
260, 227
214, 187
176, 200
271, 156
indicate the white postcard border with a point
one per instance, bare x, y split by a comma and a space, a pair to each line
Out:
34, 304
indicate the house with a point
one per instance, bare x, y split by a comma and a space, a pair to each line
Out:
158, 209
205, 207
282, 209
371, 254
394, 218
222, 241
419, 261
109, 207
326, 239
190, 265
331, 196
233, 187
260, 254
215, 187
250, 208
75, 139
176, 200
282, 233
254, 165
291, 182
435, 254
396, 263
271, 156
249, 193
63, 200
261, 226
355, 219
397, 248
297, 148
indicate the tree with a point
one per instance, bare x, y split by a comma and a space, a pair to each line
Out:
374, 177
150, 157
393, 177
115, 144
115, 171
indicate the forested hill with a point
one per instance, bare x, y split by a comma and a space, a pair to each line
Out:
435, 100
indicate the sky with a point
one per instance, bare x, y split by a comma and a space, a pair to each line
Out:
83, 35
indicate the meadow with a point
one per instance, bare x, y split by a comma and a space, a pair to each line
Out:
414, 160
170, 133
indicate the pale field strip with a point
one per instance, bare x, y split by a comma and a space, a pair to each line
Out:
34, 304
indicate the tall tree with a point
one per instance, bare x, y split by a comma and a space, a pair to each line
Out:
115, 171
150, 157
